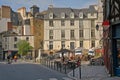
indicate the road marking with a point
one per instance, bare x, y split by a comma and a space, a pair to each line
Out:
53, 79
66, 78
39, 79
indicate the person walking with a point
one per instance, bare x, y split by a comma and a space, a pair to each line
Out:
8, 59
15, 58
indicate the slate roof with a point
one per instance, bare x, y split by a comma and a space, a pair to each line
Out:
57, 12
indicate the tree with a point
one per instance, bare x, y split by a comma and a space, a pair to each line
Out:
23, 47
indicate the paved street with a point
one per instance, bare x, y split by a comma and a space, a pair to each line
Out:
22, 70
28, 71
89, 72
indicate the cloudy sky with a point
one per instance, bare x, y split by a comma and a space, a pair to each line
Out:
43, 4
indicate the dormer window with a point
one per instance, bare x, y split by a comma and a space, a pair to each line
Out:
51, 16
62, 15
92, 14
81, 15
71, 15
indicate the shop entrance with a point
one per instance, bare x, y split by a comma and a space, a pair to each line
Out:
116, 49
117, 57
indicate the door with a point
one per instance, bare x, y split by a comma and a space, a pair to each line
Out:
72, 45
118, 52
118, 57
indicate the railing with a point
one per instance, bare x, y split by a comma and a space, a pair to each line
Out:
64, 67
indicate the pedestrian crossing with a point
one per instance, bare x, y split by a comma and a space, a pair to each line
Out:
64, 78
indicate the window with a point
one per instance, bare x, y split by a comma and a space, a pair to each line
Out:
80, 24
51, 15
51, 23
50, 37
50, 44
15, 38
62, 22
71, 15
62, 15
50, 34
5, 39
72, 34
80, 33
71, 22
92, 14
118, 51
92, 33
15, 45
92, 24
62, 34
72, 45
93, 44
5, 46
20, 31
27, 38
63, 44
81, 15
81, 43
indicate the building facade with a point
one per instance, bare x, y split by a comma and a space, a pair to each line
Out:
71, 28
4, 23
10, 40
112, 36
56, 28
4, 17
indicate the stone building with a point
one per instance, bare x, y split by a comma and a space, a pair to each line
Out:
71, 28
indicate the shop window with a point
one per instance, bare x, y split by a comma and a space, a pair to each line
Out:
118, 51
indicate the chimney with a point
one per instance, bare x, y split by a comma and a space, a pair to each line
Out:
50, 6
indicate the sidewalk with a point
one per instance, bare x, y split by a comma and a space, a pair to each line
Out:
91, 73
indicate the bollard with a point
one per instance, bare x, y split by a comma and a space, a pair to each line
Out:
54, 64
65, 68
60, 66
73, 69
57, 66
80, 69
46, 62
49, 63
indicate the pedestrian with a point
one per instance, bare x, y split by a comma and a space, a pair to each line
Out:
15, 58
8, 59
78, 61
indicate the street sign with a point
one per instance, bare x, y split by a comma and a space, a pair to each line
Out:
106, 24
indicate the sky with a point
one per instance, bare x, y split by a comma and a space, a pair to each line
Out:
43, 4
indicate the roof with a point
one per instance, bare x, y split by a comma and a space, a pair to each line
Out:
9, 33
57, 12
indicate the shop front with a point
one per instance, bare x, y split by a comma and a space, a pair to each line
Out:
116, 49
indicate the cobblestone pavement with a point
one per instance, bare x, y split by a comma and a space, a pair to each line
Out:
91, 73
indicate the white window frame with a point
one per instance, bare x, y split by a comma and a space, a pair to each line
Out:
81, 15
63, 15
72, 15
50, 15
